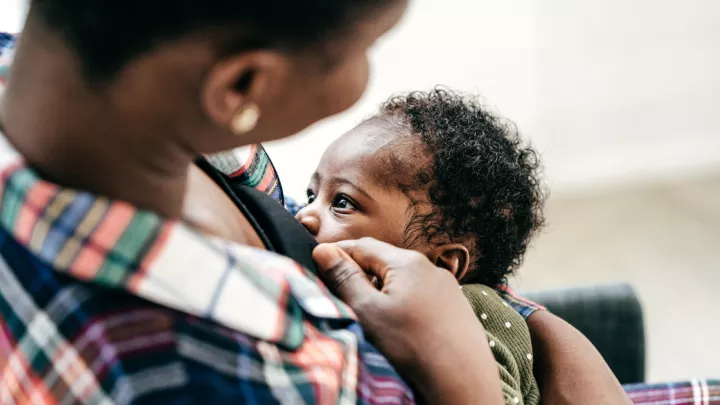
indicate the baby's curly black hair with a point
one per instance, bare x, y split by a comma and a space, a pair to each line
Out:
483, 181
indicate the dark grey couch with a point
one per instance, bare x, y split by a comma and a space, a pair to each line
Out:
611, 317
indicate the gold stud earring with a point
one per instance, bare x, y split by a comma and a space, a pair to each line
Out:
245, 119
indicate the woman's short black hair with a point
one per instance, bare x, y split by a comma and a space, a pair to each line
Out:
106, 34
483, 181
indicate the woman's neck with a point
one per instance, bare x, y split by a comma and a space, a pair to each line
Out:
64, 132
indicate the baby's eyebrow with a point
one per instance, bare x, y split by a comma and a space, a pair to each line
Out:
315, 178
336, 181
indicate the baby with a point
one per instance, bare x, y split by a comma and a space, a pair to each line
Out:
438, 173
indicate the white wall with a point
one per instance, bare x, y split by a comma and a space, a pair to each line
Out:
612, 92
628, 90
12, 13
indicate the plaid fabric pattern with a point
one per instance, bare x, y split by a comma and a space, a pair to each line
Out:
695, 392
250, 166
102, 303
520, 305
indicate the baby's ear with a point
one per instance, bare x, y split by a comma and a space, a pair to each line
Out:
454, 257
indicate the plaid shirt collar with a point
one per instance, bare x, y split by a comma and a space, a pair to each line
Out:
116, 245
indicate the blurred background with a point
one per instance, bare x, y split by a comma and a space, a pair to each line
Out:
623, 101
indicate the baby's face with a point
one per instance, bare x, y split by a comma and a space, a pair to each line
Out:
351, 194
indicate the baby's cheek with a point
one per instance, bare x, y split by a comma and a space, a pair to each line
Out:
327, 238
381, 232
335, 233
349, 231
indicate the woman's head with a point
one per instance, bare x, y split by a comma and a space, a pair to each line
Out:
189, 66
439, 174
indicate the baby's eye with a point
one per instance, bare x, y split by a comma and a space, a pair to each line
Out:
310, 197
342, 202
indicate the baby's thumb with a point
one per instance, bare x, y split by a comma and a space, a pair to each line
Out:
343, 276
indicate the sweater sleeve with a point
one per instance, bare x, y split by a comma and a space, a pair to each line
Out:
509, 340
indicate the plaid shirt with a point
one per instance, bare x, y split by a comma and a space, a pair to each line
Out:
102, 303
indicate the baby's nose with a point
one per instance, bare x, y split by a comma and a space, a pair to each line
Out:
309, 221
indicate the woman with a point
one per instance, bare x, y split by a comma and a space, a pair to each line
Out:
122, 115
116, 287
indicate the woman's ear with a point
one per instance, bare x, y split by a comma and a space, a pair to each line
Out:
250, 77
454, 257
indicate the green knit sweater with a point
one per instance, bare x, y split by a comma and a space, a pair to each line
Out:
509, 340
